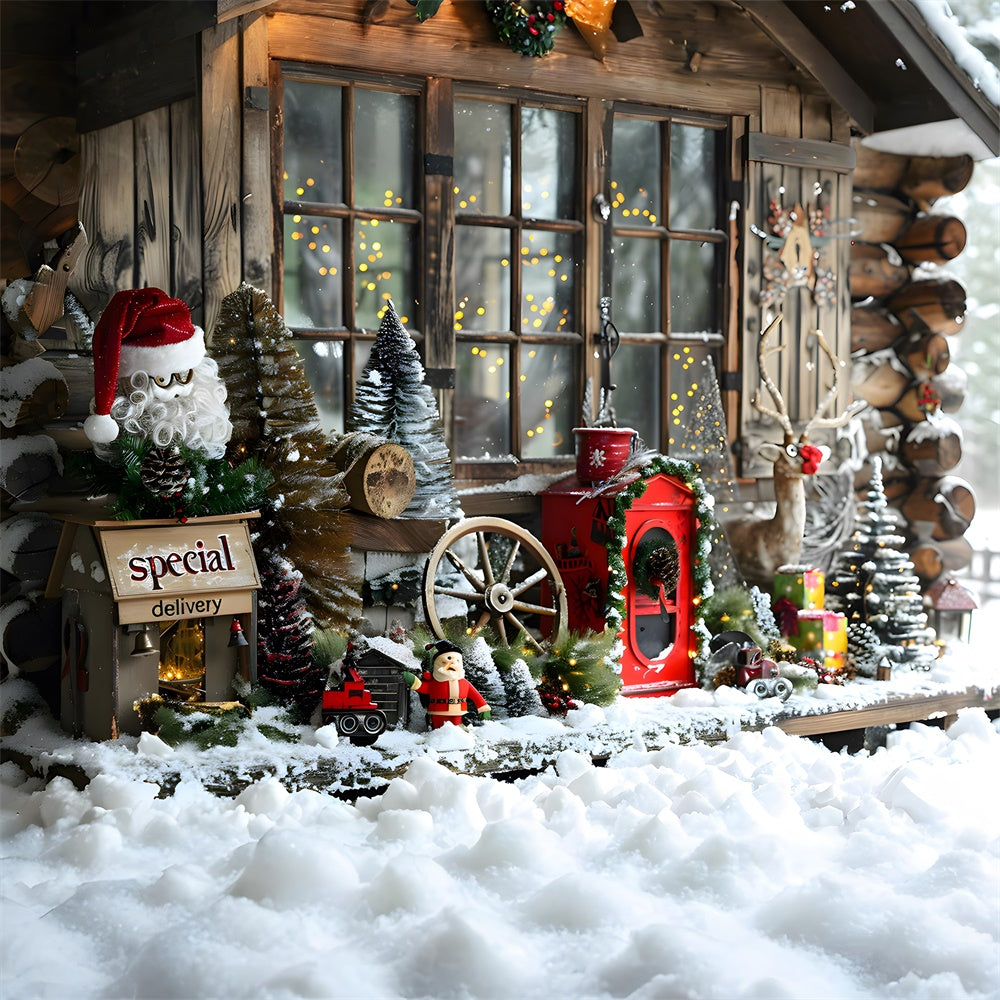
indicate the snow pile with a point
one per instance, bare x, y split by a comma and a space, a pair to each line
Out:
765, 866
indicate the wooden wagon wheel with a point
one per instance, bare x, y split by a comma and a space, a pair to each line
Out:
504, 591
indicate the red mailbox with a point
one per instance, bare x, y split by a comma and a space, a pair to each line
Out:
660, 526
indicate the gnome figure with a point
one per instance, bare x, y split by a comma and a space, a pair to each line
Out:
153, 378
446, 687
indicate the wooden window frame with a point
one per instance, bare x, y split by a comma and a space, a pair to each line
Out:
436, 216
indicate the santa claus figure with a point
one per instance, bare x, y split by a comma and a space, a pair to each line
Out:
152, 377
446, 687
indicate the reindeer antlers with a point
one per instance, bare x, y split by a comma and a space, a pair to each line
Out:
851, 410
780, 413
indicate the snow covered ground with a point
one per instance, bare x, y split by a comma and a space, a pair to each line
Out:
764, 866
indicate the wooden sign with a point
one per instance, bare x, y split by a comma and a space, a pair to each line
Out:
192, 570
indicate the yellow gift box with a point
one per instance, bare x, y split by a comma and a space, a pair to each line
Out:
823, 632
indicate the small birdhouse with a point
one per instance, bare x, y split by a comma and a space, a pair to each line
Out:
152, 607
951, 606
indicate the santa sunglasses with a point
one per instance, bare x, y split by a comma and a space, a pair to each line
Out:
181, 378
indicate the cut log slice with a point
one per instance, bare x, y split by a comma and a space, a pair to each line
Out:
937, 305
932, 239
880, 217
928, 178
31, 633
873, 274
927, 356
946, 505
932, 456
873, 329
379, 475
878, 171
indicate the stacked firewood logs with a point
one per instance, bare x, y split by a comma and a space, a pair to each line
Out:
33, 393
905, 309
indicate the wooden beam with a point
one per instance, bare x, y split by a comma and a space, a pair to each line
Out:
811, 56
907, 708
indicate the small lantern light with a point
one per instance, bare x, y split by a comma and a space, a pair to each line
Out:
236, 636
951, 607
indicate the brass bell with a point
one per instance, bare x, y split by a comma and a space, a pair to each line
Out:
143, 642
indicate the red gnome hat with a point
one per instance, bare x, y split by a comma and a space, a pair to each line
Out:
140, 330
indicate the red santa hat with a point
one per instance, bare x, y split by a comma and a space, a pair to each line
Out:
140, 330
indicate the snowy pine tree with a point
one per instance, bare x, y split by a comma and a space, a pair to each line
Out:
393, 401
873, 581
285, 665
522, 691
700, 437
274, 417
481, 672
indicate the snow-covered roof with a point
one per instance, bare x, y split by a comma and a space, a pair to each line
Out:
905, 71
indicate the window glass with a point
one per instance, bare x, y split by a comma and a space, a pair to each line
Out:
547, 266
686, 392
635, 371
548, 164
694, 306
313, 272
694, 203
482, 278
548, 399
323, 361
384, 144
636, 194
314, 166
635, 272
384, 268
482, 157
482, 408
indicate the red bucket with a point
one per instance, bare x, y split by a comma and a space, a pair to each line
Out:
601, 452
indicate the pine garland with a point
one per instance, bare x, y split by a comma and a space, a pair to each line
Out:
687, 472
213, 485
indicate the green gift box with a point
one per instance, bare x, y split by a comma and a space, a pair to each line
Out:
802, 585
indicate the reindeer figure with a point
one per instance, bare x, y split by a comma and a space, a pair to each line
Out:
760, 544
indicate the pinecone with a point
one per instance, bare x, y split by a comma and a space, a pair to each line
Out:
163, 472
663, 566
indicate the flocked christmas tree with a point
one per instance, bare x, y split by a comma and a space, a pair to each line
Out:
873, 581
285, 664
393, 401
698, 435
275, 418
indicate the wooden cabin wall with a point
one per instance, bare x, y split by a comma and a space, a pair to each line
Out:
179, 197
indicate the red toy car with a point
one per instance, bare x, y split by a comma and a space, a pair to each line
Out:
351, 709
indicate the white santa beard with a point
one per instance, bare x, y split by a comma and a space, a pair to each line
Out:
199, 419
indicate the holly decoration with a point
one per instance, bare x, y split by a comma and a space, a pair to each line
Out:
528, 28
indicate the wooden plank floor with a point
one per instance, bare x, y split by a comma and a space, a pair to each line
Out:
906, 708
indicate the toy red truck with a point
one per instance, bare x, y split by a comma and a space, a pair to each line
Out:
351, 709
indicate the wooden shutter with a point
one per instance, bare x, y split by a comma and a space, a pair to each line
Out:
790, 172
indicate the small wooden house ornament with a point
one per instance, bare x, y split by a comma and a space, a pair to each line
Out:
951, 606
147, 608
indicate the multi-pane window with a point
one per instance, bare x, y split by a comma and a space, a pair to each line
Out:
531, 260
667, 257
352, 224
518, 231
